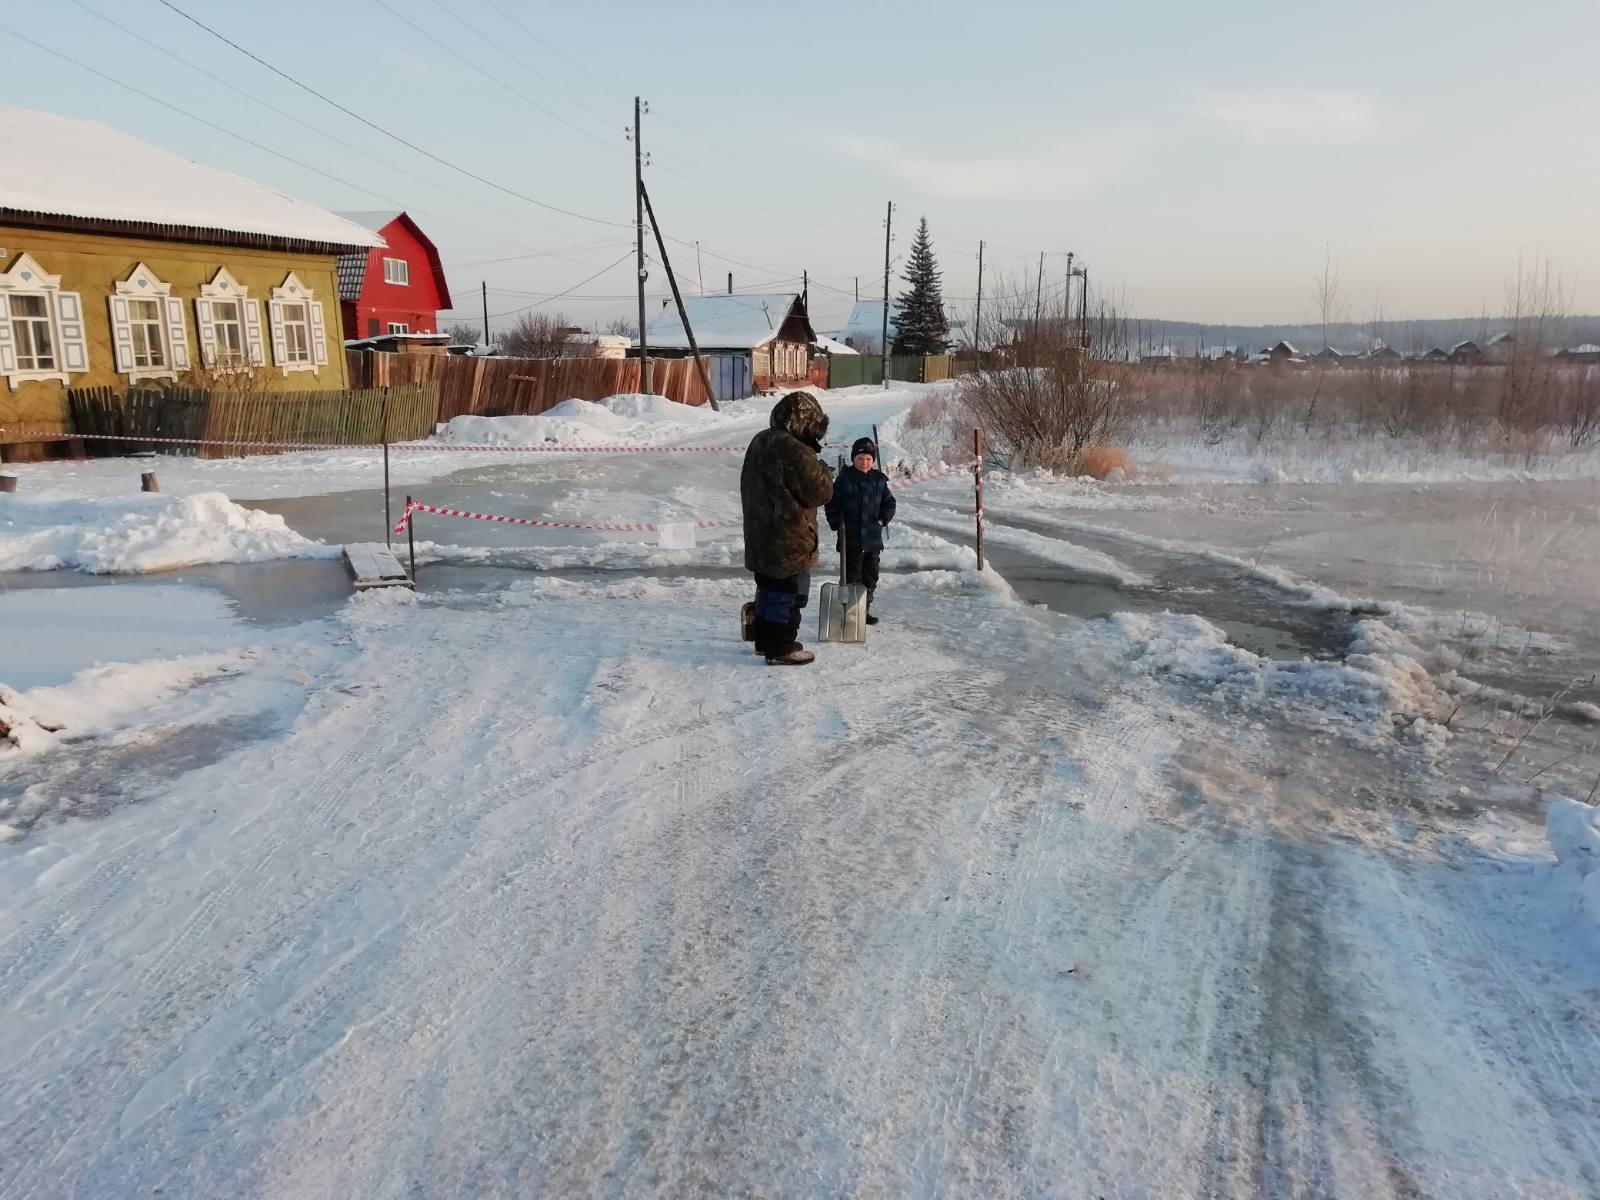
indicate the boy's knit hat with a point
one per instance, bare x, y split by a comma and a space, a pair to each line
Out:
864, 445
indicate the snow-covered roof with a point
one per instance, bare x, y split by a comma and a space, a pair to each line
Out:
722, 322
1498, 338
1286, 345
832, 346
371, 220
866, 323
1466, 345
69, 167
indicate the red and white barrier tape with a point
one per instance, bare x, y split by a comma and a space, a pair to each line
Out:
414, 447
497, 519
617, 526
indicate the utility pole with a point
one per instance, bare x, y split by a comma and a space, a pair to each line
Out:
977, 320
858, 289
730, 283
638, 225
805, 288
698, 269
485, 312
1038, 297
1066, 304
888, 228
677, 298
1083, 310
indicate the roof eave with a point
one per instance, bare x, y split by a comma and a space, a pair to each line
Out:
202, 235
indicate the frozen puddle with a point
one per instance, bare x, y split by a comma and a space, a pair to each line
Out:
1248, 620
284, 592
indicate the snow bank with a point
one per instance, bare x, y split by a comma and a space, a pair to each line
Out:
1373, 696
99, 700
1573, 829
630, 419
142, 534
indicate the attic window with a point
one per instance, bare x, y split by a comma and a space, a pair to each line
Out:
397, 271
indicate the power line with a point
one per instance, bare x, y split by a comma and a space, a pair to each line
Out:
230, 133
489, 262
566, 212
493, 78
559, 295
549, 83
234, 88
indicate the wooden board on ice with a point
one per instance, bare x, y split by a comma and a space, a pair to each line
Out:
373, 564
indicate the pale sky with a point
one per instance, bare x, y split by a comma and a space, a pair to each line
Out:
1198, 157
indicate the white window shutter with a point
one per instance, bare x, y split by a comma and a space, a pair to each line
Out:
252, 332
208, 335
121, 334
74, 342
8, 349
319, 338
280, 348
177, 334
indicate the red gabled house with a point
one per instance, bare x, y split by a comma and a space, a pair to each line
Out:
397, 289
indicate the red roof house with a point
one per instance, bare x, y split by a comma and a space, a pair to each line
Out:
399, 288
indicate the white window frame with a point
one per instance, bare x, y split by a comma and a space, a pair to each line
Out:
400, 277
293, 291
63, 311
143, 284
225, 287
399, 327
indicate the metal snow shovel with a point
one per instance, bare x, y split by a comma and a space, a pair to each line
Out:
842, 612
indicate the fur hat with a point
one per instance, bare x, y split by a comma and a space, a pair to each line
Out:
801, 415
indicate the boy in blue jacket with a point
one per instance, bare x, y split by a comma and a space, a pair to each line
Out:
861, 506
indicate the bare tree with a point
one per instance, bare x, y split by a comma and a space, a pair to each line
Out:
621, 328
462, 334
1058, 400
1535, 303
535, 335
1325, 294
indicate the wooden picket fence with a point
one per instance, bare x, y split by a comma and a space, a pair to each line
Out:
501, 387
353, 417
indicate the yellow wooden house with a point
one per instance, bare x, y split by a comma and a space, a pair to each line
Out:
123, 264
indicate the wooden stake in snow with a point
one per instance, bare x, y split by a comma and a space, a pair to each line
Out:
148, 482
977, 490
8, 483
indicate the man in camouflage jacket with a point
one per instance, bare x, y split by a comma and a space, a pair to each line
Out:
781, 487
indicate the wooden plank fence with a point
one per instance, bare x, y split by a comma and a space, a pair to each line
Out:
500, 387
325, 417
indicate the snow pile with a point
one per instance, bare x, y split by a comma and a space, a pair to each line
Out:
100, 700
1373, 695
142, 534
617, 420
1573, 829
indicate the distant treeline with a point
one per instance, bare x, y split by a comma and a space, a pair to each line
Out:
1408, 337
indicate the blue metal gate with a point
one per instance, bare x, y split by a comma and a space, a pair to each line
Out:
730, 376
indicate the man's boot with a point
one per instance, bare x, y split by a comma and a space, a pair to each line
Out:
871, 620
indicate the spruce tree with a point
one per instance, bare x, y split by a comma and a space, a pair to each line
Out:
919, 322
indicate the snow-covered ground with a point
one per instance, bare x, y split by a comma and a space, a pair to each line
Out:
539, 883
